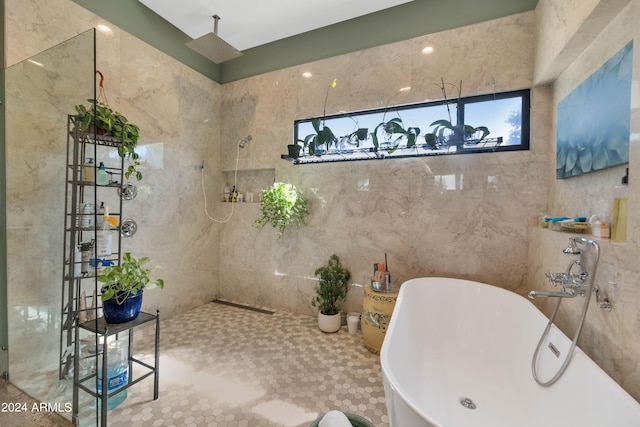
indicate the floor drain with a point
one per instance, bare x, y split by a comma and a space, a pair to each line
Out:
467, 403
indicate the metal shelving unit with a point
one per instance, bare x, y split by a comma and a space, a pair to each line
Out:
80, 303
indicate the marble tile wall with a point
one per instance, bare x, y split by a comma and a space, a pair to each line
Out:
611, 339
474, 228
178, 112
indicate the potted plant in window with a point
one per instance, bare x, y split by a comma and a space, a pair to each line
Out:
331, 292
109, 122
282, 204
323, 135
123, 286
456, 135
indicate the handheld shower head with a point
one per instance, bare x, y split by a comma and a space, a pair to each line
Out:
244, 141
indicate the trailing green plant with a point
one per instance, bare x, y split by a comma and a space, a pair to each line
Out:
282, 205
112, 123
332, 287
128, 278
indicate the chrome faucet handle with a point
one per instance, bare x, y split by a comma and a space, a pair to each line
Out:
580, 278
562, 279
551, 278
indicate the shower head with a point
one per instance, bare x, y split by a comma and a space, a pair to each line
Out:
213, 47
244, 141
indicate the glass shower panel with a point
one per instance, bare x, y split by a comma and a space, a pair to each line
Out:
40, 92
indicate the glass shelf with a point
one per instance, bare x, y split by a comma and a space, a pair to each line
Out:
347, 155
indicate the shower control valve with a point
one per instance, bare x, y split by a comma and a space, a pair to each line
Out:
556, 278
567, 280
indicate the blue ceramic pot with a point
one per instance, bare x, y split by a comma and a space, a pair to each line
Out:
122, 313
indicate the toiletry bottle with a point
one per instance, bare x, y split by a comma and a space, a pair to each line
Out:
619, 225
104, 236
102, 177
234, 194
88, 170
227, 192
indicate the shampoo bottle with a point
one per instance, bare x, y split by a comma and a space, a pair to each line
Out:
104, 236
619, 224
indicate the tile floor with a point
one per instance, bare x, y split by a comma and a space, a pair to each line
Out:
231, 367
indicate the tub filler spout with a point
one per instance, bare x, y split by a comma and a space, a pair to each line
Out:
565, 293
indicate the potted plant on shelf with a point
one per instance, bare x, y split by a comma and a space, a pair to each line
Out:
323, 135
331, 292
282, 204
109, 122
123, 286
456, 135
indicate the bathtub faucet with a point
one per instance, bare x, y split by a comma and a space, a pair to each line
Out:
571, 284
579, 283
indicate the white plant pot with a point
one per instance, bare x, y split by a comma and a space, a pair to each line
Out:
330, 323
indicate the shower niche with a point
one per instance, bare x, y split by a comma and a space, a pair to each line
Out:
249, 184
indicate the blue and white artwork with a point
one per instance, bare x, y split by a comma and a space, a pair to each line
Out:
593, 121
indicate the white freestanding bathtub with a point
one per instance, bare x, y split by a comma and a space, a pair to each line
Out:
451, 341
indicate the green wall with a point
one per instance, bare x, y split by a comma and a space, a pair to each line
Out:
412, 19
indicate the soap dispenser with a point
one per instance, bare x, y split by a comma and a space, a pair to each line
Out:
619, 224
102, 176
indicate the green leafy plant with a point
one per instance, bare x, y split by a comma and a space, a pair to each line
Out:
448, 134
393, 131
109, 122
458, 134
323, 134
128, 278
282, 204
332, 287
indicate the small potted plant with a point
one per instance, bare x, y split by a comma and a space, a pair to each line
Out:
331, 292
123, 286
108, 122
282, 204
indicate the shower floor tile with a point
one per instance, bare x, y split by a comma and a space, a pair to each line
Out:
228, 366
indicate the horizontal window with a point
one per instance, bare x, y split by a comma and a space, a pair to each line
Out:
496, 122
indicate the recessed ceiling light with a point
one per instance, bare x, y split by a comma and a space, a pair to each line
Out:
307, 75
39, 64
405, 89
104, 29
427, 50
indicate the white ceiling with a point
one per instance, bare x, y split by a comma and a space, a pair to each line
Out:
249, 23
